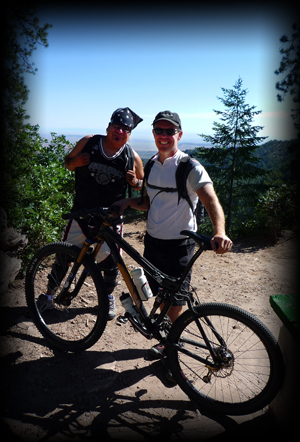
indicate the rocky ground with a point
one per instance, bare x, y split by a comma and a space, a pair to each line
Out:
111, 392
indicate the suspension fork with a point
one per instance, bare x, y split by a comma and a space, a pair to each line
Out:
84, 273
65, 295
217, 335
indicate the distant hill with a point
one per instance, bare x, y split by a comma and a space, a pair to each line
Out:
146, 154
185, 147
281, 156
275, 154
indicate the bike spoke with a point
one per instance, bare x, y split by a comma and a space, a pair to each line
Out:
72, 322
241, 379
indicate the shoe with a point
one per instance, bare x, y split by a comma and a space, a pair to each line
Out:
168, 372
112, 312
44, 302
156, 352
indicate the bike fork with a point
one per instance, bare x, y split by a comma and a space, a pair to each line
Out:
202, 332
65, 297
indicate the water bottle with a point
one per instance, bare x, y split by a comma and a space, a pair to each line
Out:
128, 305
141, 283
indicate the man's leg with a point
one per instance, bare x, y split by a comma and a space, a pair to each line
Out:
110, 274
72, 234
172, 258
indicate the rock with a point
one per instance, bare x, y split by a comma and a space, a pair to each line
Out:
3, 219
11, 239
11, 243
9, 268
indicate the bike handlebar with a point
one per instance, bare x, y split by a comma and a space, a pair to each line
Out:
111, 214
203, 241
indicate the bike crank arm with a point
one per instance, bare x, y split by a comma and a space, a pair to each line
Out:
139, 327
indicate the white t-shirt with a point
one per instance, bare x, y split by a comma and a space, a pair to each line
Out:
167, 218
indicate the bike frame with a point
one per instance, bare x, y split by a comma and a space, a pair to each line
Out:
170, 284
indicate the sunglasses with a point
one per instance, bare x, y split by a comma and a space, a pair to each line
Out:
125, 129
169, 132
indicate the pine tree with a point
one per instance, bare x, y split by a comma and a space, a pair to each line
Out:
231, 161
290, 70
21, 35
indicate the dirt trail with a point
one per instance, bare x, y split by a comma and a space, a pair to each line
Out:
110, 392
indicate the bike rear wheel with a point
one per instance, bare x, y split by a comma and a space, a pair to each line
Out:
79, 325
250, 365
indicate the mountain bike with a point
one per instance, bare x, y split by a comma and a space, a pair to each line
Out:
221, 356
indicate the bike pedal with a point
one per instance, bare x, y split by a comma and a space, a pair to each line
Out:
122, 319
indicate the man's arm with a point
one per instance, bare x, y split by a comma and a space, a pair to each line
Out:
220, 242
133, 203
75, 158
134, 177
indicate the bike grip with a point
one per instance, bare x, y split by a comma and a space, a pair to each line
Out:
206, 242
114, 209
216, 245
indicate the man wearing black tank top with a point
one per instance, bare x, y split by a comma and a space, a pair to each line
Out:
101, 164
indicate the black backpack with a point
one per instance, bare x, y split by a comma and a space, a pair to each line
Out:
184, 167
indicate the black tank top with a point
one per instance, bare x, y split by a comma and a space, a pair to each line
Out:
103, 181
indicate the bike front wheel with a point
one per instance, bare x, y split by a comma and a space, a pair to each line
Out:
248, 368
80, 324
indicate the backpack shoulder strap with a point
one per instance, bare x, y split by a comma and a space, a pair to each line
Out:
130, 156
130, 163
147, 168
184, 167
91, 142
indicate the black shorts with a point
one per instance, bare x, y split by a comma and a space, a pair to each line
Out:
171, 256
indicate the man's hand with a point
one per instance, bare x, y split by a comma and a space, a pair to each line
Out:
132, 179
221, 244
79, 160
82, 159
122, 204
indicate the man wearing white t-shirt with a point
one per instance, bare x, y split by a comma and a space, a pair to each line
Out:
164, 246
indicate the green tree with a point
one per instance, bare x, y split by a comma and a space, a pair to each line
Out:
36, 188
22, 35
40, 187
231, 161
277, 210
290, 68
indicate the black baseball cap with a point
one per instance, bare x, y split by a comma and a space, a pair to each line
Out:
168, 116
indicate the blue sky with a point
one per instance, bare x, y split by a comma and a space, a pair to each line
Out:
155, 59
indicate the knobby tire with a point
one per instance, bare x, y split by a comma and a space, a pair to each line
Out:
253, 373
78, 326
